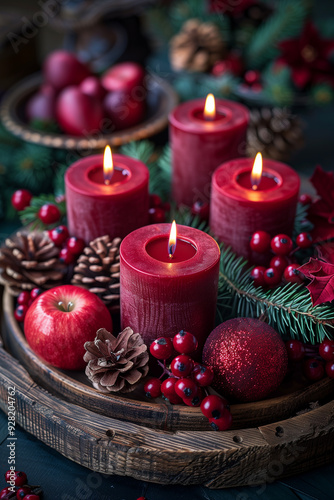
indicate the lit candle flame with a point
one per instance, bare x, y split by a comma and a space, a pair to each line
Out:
210, 108
108, 167
256, 174
172, 240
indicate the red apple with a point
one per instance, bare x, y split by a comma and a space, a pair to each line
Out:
61, 320
126, 77
61, 69
41, 106
78, 113
92, 86
123, 111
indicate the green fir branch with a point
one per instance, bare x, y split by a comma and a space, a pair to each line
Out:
288, 308
29, 216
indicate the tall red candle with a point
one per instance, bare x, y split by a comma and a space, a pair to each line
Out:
199, 145
95, 208
237, 210
161, 295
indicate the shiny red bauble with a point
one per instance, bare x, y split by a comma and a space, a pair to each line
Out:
61, 69
248, 358
77, 113
21, 199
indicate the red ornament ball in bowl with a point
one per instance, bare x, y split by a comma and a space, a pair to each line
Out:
248, 358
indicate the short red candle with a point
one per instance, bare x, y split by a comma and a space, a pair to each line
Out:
162, 295
237, 211
95, 209
199, 146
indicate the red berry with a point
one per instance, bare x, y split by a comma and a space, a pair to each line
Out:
32, 496
292, 275
21, 199
59, 235
168, 387
18, 477
152, 388
281, 244
329, 367
305, 199
23, 298
35, 292
222, 423
49, 213
182, 365
185, 342
304, 240
295, 350
203, 375
260, 242
313, 369
279, 262
252, 76
186, 388
155, 201
257, 275
272, 276
201, 209
326, 349
5, 491
20, 312
161, 348
214, 406
22, 492
175, 400
193, 401
156, 215
66, 256
75, 245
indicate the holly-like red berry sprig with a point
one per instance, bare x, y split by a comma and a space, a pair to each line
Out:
186, 379
71, 247
158, 210
19, 487
24, 301
317, 361
281, 267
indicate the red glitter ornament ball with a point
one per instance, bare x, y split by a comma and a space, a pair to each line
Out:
248, 358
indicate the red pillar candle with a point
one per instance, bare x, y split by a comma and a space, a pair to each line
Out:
200, 142
161, 295
237, 210
101, 203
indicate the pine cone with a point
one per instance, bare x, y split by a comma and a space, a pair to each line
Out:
30, 260
116, 364
197, 47
97, 270
275, 133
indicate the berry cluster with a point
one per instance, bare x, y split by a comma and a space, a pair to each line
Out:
317, 361
19, 488
158, 210
281, 265
24, 301
71, 246
48, 213
186, 380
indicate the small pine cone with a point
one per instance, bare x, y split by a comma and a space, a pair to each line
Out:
197, 47
116, 364
29, 260
97, 270
275, 133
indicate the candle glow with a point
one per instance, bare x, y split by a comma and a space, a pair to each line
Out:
108, 167
256, 174
210, 108
172, 240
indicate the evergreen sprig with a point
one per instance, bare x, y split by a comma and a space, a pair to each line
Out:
288, 308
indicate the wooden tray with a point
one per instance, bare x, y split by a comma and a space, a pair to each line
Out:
185, 453
161, 99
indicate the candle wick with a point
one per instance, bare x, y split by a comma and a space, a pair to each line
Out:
171, 250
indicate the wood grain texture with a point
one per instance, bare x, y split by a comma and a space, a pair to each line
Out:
159, 415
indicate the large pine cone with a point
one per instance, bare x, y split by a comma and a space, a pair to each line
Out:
97, 270
275, 133
116, 364
29, 260
197, 47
